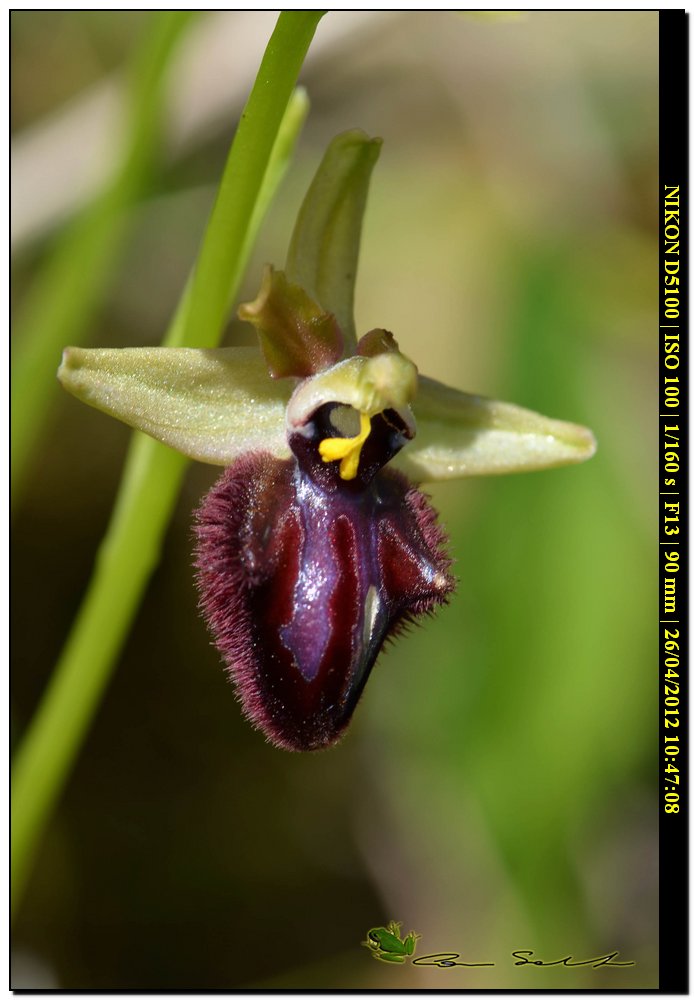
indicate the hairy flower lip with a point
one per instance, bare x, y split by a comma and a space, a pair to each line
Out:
302, 580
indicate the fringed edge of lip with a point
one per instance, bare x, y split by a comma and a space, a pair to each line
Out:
223, 582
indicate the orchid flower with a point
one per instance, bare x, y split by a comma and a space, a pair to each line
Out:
316, 545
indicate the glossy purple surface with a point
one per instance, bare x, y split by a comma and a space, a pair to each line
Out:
303, 576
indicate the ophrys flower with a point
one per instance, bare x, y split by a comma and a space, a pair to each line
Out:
315, 546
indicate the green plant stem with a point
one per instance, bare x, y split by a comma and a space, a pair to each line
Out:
59, 307
153, 474
243, 174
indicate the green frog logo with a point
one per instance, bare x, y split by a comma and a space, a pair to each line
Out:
387, 945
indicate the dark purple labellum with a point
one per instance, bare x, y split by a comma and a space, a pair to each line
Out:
304, 575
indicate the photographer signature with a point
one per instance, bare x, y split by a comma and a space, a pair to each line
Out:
448, 959
388, 945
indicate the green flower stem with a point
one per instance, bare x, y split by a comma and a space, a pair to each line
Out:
240, 186
65, 296
153, 474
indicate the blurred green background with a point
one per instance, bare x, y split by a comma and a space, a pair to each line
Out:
496, 790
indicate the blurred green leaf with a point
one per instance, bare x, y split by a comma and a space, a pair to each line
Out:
153, 474
66, 294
